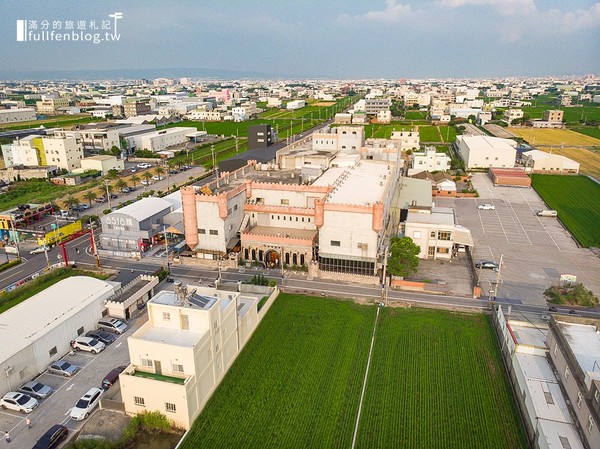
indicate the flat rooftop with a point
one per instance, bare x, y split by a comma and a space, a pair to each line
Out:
286, 176
364, 183
438, 215
170, 336
124, 295
584, 341
526, 334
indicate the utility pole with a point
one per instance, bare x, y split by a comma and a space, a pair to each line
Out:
15, 236
498, 276
282, 273
94, 247
383, 283
106, 182
167, 249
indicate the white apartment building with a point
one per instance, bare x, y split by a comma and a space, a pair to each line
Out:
64, 152
374, 106
274, 102
162, 139
17, 115
27, 151
430, 160
205, 115
512, 114
384, 116
181, 354
483, 117
345, 139
485, 151
93, 139
51, 105
408, 140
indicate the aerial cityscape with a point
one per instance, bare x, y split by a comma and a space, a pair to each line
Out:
316, 225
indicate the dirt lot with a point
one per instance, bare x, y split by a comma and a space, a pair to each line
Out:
324, 103
537, 250
554, 137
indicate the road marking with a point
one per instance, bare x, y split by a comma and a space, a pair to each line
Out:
70, 386
68, 412
119, 344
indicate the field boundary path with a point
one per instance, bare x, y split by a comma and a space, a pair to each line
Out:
364, 387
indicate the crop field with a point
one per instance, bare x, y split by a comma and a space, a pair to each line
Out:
571, 115
592, 132
415, 115
436, 381
384, 131
429, 134
448, 133
576, 199
554, 137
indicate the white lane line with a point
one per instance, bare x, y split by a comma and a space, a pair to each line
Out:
364, 387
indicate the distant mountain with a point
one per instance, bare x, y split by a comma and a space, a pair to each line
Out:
89, 75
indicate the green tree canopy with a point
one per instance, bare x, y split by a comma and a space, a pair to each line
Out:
403, 256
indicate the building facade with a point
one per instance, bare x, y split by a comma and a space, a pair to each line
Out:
64, 152
486, 152
17, 115
260, 136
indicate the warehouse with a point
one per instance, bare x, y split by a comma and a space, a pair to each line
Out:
542, 162
515, 177
39, 329
486, 152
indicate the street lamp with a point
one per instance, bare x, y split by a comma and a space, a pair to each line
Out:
106, 182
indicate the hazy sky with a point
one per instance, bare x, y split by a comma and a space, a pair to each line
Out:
319, 38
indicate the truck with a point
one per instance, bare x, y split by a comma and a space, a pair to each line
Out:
547, 213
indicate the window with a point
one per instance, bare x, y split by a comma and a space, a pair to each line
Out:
139, 401
432, 235
177, 368
567, 373
169, 407
201, 231
214, 232
52, 351
309, 219
417, 235
166, 316
235, 207
444, 235
443, 250
335, 243
285, 202
80, 331
147, 362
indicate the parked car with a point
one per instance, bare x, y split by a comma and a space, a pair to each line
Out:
112, 325
112, 376
173, 171
103, 336
547, 213
86, 404
36, 389
63, 368
100, 199
125, 190
52, 438
144, 165
113, 196
145, 182
88, 344
39, 249
19, 402
486, 206
488, 264
157, 178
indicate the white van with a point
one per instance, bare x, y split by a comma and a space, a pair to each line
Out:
547, 213
112, 325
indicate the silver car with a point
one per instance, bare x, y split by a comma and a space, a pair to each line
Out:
63, 368
36, 389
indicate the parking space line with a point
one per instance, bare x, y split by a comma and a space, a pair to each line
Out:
540, 221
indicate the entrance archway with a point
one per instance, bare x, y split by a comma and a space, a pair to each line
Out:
272, 258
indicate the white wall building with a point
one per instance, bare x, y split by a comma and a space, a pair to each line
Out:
430, 160
64, 152
39, 330
296, 104
102, 163
345, 139
408, 140
17, 115
541, 162
93, 139
22, 152
485, 151
191, 339
163, 139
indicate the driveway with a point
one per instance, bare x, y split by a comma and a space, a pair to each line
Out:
536, 250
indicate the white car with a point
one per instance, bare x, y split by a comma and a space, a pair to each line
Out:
86, 404
145, 182
39, 249
18, 401
144, 165
157, 178
89, 344
486, 206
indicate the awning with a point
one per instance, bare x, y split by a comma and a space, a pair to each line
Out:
462, 236
176, 229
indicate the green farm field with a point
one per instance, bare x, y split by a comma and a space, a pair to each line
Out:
429, 134
576, 199
592, 132
436, 380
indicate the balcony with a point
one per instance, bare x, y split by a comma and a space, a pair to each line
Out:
159, 377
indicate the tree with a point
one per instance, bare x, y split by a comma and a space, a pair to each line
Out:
115, 150
112, 174
159, 171
70, 201
121, 184
403, 256
134, 178
147, 176
90, 196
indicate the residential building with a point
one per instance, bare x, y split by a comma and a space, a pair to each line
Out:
17, 172
486, 152
436, 232
93, 140
407, 140
51, 105
430, 160
441, 182
39, 329
345, 139
512, 114
162, 139
553, 115
483, 117
205, 115
135, 107
181, 354
260, 136
574, 350
17, 115
103, 163
274, 102
64, 152
384, 116
375, 105
28, 152
343, 118
541, 162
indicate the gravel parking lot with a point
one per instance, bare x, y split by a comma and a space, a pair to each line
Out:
537, 250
